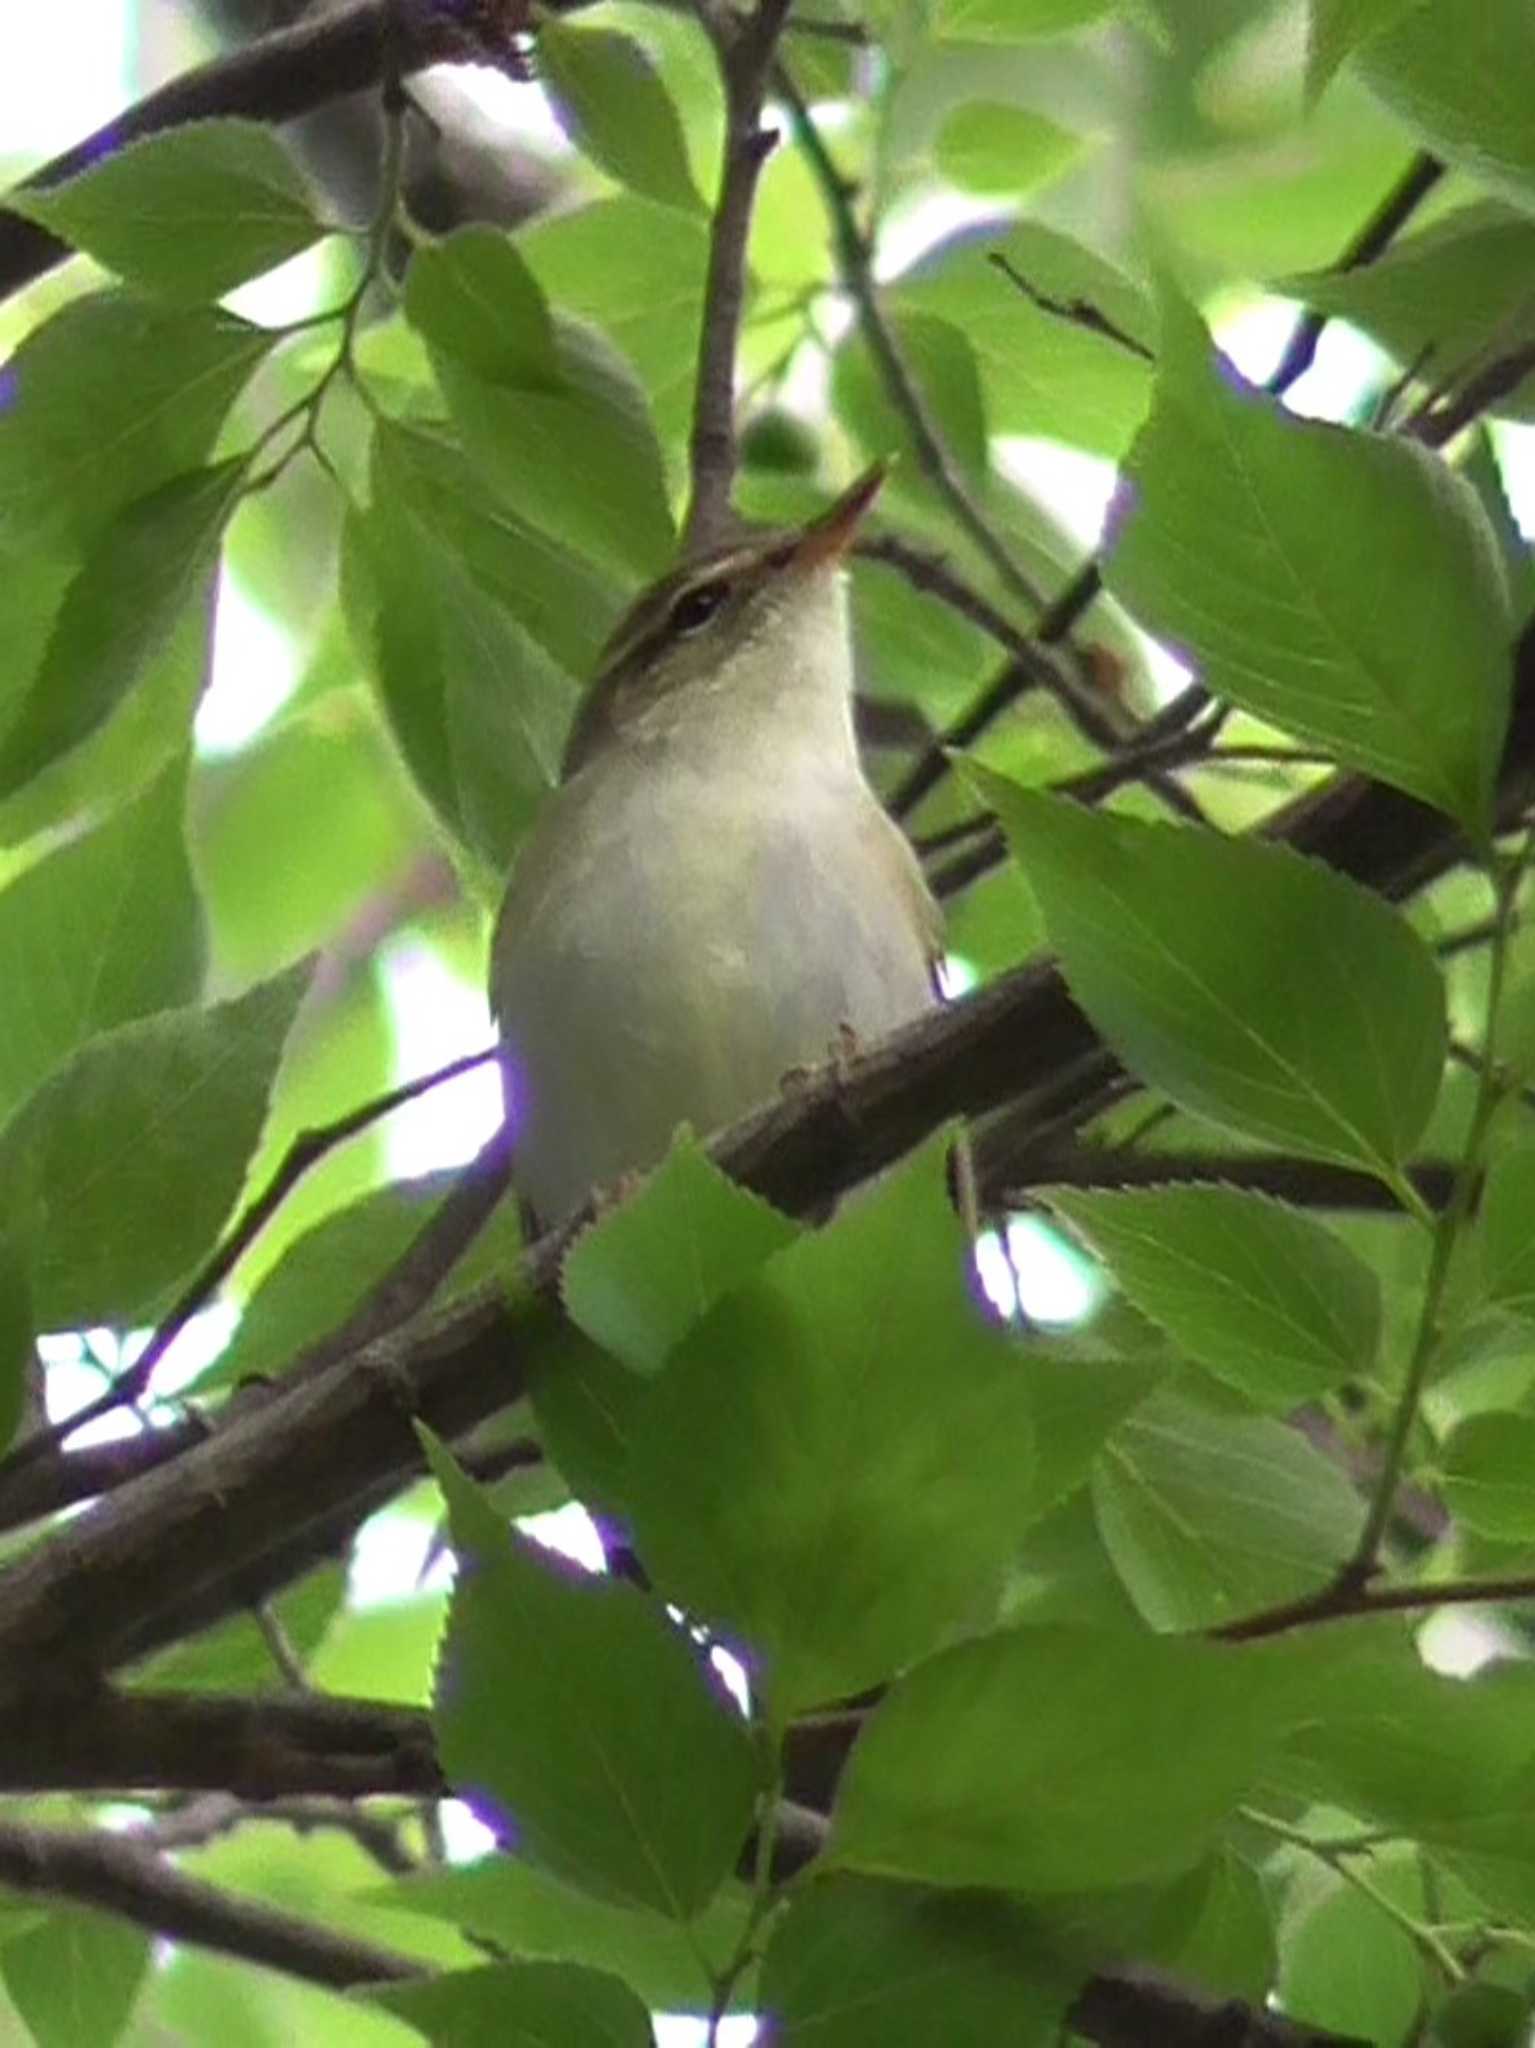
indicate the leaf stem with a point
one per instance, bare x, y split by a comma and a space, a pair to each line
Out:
1505, 876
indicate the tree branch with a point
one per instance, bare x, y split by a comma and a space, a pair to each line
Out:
933, 454
745, 52
122, 1875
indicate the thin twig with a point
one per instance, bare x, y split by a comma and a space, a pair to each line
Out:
932, 452
1075, 312
306, 1151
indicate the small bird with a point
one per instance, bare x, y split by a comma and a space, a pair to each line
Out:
713, 898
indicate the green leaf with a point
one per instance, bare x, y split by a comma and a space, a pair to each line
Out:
110, 398
1040, 374
1463, 78
1077, 1400
479, 711
1014, 21
106, 929
118, 615
942, 364
607, 95
1335, 29
474, 299
1208, 1517
508, 1900
1025, 1760
856, 1963
580, 462
185, 214
1506, 1239
1329, 1036
994, 146
124, 1164
1447, 296
566, 603
637, 271
1488, 1475
1254, 541
15, 1337
1345, 1964
1483, 2016
646, 1808
1261, 1296
521, 2005
836, 1459
75, 1977
642, 1276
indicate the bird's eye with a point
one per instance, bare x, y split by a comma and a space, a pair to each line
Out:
696, 607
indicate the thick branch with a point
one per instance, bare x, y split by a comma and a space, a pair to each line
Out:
261, 1746
274, 1482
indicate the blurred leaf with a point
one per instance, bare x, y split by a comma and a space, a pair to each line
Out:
1464, 80
563, 601
1208, 1517
1011, 21
1262, 1296
1040, 374
1483, 2016
1445, 297
507, 1899
1021, 1760
1503, 1228
857, 1963
1231, 1948
186, 213
236, 1657
15, 1337
111, 397
1329, 1036
1254, 542
76, 1976
941, 363
474, 299
1347, 1965
580, 462
118, 614
125, 1163
1336, 28
321, 783
645, 1808
105, 929
641, 1276
1488, 1475
993, 146
521, 2005
637, 271
836, 1459
614, 107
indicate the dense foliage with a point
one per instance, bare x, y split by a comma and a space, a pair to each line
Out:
1086, 1667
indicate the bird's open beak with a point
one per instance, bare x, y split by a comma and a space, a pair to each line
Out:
828, 538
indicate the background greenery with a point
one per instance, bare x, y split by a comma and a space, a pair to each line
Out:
1096, 1676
